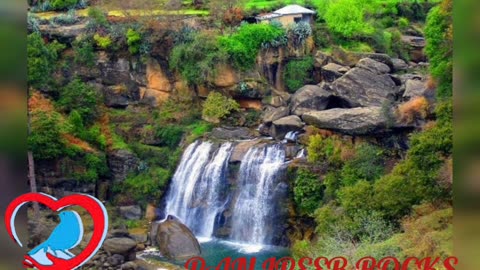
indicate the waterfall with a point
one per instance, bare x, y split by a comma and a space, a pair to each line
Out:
256, 207
196, 194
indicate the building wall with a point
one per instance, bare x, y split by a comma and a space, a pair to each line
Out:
289, 19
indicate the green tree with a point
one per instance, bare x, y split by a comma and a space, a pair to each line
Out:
45, 139
218, 106
63, 4
298, 73
439, 47
197, 58
307, 191
347, 18
41, 58
80, 97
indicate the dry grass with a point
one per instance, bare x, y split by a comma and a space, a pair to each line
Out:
39, 103
413, 110
72, 140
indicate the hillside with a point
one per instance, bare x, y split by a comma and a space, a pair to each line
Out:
339, 122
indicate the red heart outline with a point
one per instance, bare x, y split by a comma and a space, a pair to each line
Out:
93, 206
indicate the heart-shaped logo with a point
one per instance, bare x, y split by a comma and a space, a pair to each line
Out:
66, 235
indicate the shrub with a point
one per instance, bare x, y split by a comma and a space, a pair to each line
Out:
41, 59
298, 73
102, 42
346, 18
45, 139
299, 32
169, 135
134, 40
366, 165
439, 47
83, 53
63, 4
67, 19
92, 135
148, 185
356, 197
97, 18
403, 23
197, 60
325, 149
413, 110
244, 45
96, 167
32, 23
307, 191
80, 97
218, 106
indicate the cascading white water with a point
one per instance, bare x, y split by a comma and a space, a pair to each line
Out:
260, 174
195, 194
209, 191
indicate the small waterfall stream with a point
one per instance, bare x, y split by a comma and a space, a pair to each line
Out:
201, 196
260, 172
195, 192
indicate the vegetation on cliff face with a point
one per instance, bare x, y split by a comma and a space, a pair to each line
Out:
366, 197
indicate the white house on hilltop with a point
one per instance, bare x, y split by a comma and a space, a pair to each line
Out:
288, 15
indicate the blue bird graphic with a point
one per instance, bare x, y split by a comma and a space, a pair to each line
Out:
67, 235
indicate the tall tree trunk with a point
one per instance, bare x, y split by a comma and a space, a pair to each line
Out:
33, 182
31, 166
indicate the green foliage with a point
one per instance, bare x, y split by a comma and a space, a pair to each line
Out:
324, 149
170, 135
147, 185
299, 32
439, 48
41, 59
63, 4
103, 42
96, 167
83, 53
298, 73
244, 45
308, 191
197, 130
218, 106
403, 23
134, 40
197, 60
367, 165
347, 18
80, 97
66, 19
356, 197
97, 18
92, 135
45, 139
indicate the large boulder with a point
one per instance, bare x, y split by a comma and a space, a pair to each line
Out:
310, 97
348, 58
241, 149
373, 66
399, 64
355, 121
415, 45
175, 240
121, 163
131, 212
231, 133
284, 125
332, 71
362, 87
414, 88
273, 114
120, 245
116, 96
63, 33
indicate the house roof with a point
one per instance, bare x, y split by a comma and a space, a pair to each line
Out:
287, 10
294, 9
